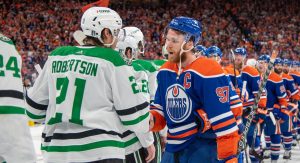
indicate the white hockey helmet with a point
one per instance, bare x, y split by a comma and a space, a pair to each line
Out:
128, 49
137, 34
251, 62
95, 19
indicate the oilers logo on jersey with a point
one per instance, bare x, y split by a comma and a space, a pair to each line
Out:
179, 105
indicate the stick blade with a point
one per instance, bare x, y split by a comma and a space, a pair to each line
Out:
274, 55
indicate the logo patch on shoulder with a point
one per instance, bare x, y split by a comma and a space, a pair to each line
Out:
282, 89
178, 103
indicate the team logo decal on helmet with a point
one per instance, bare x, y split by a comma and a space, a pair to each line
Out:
240, 51
95, 19
214, 51
191, 27
178, 103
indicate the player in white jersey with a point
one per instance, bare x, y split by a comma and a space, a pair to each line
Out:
15, 140
134, 39
135, 153
86, 97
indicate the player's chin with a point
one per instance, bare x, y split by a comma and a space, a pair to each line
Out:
172, 57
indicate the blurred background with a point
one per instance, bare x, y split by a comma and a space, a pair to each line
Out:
38, 27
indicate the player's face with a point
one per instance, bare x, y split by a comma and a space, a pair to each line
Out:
278, 68
285, 68
239, 59
174, 41
262, 65
128, 53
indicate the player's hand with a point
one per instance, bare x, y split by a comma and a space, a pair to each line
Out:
151, 153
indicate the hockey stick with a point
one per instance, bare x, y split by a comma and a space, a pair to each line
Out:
256, 155
79, 36
242, 142
38, 68
234, 69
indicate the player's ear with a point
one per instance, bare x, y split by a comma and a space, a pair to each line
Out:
189, 45
106, 34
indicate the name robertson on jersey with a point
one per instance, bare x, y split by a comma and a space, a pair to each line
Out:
76, 65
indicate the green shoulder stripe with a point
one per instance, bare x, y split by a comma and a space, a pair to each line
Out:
137, 67
6, 39
97, 52
147, 65
159, 62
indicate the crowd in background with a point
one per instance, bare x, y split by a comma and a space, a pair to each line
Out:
38, 27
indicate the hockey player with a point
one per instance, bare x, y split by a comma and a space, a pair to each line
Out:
150, 69
135, 152
87, 97
200, 51
296, 77
293, 97
251, 76
277, 105
236, 106
15, 140
192, 100
137, 34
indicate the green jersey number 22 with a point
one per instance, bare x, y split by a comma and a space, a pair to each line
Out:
62, 86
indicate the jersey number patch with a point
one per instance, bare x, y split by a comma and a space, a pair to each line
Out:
62, 86
11, 65
138, 88
223, 93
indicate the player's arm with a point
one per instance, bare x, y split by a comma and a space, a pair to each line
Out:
37, 97
213, 89
156, 110
130, 103
146, 139
152, 84
294, 92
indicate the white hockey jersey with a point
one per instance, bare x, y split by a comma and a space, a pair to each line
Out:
11, 86
145, 139
16, 143
85, 96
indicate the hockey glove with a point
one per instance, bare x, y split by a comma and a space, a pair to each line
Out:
260, 115
202, 120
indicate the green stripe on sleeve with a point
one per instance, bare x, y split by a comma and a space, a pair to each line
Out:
84, 147
11, 110
33, 116
136, 121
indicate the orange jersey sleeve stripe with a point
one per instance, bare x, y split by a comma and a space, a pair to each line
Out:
223, 124
191, 132
235, 102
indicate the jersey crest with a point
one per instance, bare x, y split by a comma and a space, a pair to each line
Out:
178, 103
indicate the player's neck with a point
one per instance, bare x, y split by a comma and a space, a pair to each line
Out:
190, 57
